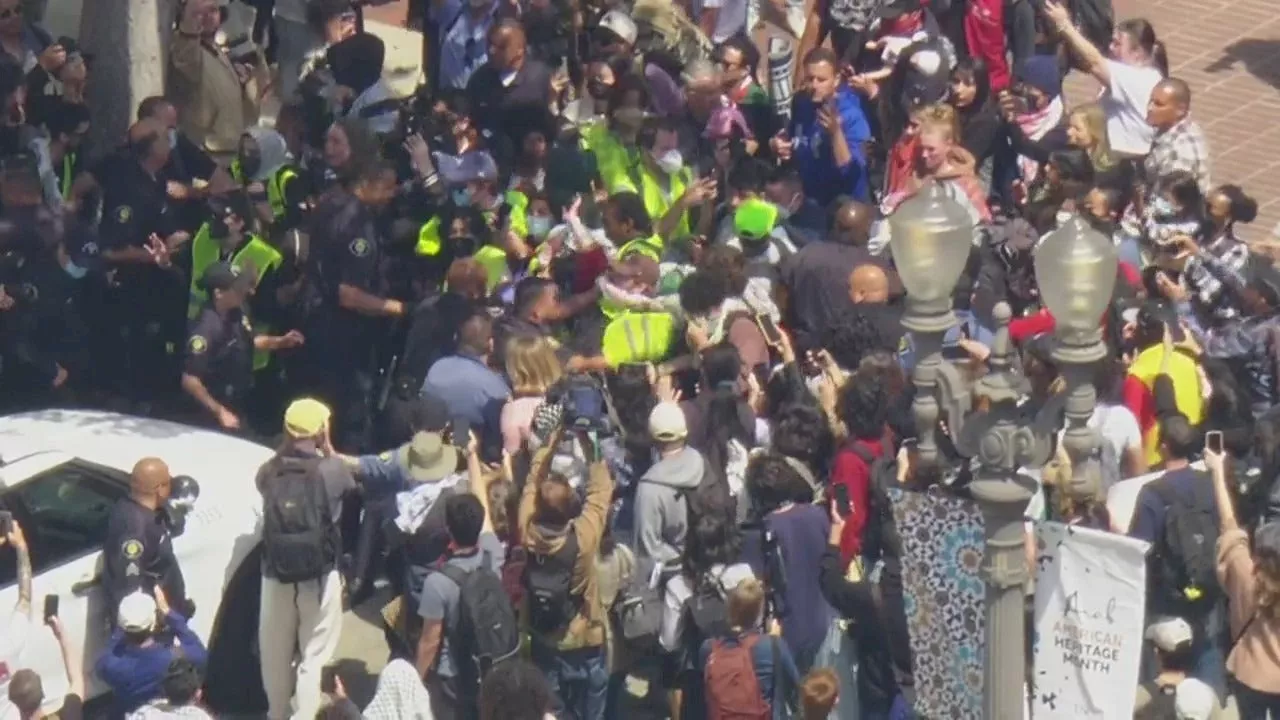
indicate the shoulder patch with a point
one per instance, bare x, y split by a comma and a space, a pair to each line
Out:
131, 549
359, 247
197, 344
123, 213
386, 456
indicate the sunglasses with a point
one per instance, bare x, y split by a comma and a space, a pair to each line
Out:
11, 12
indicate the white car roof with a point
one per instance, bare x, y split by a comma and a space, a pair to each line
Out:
224, 466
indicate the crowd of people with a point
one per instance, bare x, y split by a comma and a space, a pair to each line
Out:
592, 348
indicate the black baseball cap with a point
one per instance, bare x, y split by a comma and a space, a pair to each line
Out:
225, 276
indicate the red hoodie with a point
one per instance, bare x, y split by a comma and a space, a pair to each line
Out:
853, 472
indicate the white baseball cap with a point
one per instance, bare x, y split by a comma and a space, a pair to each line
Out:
620, 24
1169, 632
137, 613
667, 423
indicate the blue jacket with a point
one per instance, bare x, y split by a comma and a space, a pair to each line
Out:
135, 673
823, 179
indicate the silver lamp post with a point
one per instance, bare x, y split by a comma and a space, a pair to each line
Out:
930, 238
1076, 273
1075, 269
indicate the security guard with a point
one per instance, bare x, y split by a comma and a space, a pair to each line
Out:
263, 167
138, 551
218, 371
142, 319
659, 176
345, 299
472, 180
633, 336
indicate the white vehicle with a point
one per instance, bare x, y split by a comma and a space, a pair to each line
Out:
61, 471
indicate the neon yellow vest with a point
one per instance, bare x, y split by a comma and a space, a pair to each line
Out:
613, 159
636, 337
656, 201
491, 257
205, 252
68, 173
275, 190
236, 173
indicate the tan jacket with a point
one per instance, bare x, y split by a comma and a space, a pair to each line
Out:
214, 107
1255, 659
588, 629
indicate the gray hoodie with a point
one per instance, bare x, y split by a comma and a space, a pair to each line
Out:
662, 506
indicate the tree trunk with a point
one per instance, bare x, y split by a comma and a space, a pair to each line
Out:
128, 39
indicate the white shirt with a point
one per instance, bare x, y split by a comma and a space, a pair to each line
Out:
731, 20
13, 641
678, 592
1118, 426
1125, 104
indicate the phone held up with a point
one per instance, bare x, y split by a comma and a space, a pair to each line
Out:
1213, 441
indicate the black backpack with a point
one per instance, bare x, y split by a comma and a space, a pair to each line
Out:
1185, 552
880, 539
548, 583
487, 632
706, 617
299, 538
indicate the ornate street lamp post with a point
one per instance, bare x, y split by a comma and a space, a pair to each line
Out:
1075, 269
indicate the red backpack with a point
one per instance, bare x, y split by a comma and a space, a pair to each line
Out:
731, 687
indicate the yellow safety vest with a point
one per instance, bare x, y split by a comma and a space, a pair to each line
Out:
236, 173
613, 159
275, 190
636, 337
651, 246
1186, 389
493, 258
205, 252
68, 173
656, 200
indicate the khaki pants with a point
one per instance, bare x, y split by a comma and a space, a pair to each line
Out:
302, 621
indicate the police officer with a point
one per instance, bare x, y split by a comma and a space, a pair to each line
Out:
142, 317
218, 370
345, 300
138, 550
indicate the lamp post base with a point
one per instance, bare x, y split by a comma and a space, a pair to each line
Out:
928, 317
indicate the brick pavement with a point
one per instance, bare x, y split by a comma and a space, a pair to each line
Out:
1229, 52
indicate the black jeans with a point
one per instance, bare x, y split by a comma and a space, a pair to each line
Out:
1255, 705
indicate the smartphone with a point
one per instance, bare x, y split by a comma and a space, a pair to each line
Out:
772, 333
461, 433
1213, 441
842, 500
328, 679
6, 523
50, 607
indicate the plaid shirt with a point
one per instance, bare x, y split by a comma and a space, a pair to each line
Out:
1228, 257
1181, 147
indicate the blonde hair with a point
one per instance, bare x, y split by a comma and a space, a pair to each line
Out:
1095, 119
818, 693
939, 117
745, 602
532, 365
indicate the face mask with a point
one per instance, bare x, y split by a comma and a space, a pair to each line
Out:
598, 90
250, 164
1061, 217
1162, 206
670, 162
173, 138
464, 245
75, 271
462, 197
539, 226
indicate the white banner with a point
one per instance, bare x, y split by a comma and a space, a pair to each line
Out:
1090, 593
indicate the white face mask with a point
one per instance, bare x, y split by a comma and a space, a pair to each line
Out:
173, 138
671, 161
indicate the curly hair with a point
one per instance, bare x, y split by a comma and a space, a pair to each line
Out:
863, 407
515, 690
772, 482
853, 338
801, 431
713, 539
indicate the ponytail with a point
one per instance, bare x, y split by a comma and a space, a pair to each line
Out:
1160, 58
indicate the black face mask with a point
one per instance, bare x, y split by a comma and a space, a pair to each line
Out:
464, 245
250, 163
598, 90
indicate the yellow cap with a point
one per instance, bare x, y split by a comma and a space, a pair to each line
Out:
306, 417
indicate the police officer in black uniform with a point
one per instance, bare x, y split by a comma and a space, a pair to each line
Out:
345, 302
218, 370
138, 551
143, 309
